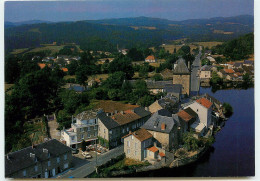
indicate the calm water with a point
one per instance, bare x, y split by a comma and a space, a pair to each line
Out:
233, 153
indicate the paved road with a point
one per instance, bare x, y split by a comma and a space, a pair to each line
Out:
90, 167
195, 82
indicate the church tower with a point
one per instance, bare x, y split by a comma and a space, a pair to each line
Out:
181, 75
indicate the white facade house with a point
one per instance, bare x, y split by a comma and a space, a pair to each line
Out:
203, 107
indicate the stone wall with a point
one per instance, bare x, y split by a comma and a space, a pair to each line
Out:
184, 80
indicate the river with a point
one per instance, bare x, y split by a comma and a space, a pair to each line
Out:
233, 153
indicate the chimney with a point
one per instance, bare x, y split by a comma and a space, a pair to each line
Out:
130, 132
155, 144
163, 126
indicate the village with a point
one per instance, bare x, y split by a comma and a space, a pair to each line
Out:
178, 126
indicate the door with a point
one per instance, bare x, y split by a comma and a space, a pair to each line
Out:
46, 174
53, 172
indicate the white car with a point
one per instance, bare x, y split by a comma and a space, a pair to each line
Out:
86, 155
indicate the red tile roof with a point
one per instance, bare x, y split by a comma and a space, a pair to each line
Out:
41, 65
64, 69
153, 149
150, 57
229, 71
161, 154
184, 115
141, 134
204, 102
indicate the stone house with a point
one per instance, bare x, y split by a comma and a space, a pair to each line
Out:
136, 143
44, 160
173, 90
164, 128
205, 72
166, 74
112, 127
168, 102
150, 59
187, 117
181, 75
84, 129
156, 86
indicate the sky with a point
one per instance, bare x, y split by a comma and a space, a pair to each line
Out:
55, 11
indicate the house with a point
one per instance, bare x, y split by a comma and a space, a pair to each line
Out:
173, 90
64, 69
222, 74
154, 86
248, 63
229, 71
181, 75
187, 118
166, 74
136, 143
202, 107
44, 160
205, 72
237, 65
163, 126
150, 59
76, 87
123, 51
84, 129
168, 102
113, 126
211, 59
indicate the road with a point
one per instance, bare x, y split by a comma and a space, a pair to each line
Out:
195, 82
88, 168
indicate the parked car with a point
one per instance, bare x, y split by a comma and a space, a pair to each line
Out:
86, 155
74, 150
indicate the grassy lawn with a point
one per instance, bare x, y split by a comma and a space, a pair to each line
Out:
208, 44
69, 77
17, 51
171, 48
53, 49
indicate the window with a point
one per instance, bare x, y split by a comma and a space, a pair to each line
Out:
65, 157
81, 130
66, 165
197, 110
127, 129
49, 163
88, 135
123, 131
110, 132
82, 136
58, 159
149, 153
132, 137
95, 133
128, 143
24, 173
49, 155
35, 168
128, 151
88, 128
95, 121
104, 131
135, 145
95, 127
144, 144
135, 153
72, 138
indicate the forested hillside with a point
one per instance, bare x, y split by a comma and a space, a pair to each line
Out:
126, 32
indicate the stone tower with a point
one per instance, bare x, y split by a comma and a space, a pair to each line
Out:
181, 75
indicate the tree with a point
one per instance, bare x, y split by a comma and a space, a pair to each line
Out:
135, 55
115, 80
146, 100
82, 75
215, 79
228, 110
140, 88
190, 142
83, 145
72, 67
157, 77
12, 69
144, 70
113, 94
123, 64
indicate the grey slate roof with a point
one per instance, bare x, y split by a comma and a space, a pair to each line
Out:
107, 121
157, 84
238, 64
140, 111
21, 159
155, 122
181, 67
205, 68
173, 88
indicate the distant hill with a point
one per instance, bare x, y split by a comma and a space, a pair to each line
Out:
125, 32
12, 24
